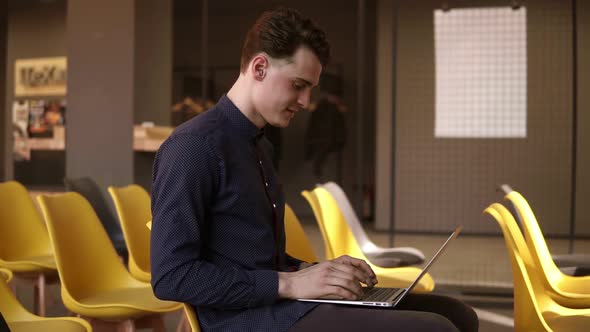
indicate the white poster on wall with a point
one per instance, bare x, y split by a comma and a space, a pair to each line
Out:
481, 73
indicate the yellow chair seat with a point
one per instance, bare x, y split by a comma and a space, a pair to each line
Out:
121, 303
48, 325
19, 319
31, 264
141, 275
568, 323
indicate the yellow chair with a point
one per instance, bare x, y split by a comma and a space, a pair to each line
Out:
534, 309
571, 264
380, 256
297, 243
95, 283
21, 320
5, 274
339, 241
24, 243
573, 292
192, 318
133, 208
311, 198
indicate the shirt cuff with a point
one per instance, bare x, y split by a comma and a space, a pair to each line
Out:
266, 287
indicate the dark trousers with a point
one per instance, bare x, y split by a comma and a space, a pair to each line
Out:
416, 312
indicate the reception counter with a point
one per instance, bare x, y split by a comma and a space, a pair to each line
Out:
45, 165
145, 139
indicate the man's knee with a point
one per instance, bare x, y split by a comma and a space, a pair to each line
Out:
470, 321
436, 323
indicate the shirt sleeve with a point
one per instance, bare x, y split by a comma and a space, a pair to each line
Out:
185, 180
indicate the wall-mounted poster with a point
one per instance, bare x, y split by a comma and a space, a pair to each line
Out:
44, 115
20, 116
20, 123
40, 77
481, 73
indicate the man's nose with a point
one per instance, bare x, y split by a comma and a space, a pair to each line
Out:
303, 100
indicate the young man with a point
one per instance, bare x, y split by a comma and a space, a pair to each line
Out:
218, 239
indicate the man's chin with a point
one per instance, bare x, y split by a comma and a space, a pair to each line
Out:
281, 124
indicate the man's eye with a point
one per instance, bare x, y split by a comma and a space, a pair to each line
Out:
298, 86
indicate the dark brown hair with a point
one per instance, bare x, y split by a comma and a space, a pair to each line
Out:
280, 32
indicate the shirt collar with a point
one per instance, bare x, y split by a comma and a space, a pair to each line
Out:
239, 121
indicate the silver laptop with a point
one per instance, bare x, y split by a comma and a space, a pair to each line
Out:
389, 297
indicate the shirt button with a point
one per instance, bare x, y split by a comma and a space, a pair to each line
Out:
274, 205
266, 184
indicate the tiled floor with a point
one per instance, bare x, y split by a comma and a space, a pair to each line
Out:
475, 269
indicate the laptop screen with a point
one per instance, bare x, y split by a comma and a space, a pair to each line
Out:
440, 250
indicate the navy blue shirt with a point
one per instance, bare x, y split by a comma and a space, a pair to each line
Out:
216, 240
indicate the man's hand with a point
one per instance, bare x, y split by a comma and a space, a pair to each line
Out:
337, 278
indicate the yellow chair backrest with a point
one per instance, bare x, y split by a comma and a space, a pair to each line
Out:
133, 208
339, 240
530, 298
22, 230
312, 199
83, 250
570, 291
533, 235
298, 244
10, 308
540, 252
192, 318
338, 234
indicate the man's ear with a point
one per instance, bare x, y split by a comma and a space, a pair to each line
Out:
259, 66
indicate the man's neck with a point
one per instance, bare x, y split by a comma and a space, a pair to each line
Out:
240, 94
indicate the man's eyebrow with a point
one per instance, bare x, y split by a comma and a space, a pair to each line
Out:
308, 83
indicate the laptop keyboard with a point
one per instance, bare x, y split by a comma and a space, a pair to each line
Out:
378, 294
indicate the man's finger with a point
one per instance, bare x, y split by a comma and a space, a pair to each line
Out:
361, 265
365, 267
350, 286
351, 269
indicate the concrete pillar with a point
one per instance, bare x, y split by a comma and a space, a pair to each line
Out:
383, 125
119, 74
153, 74
101, 89
5, 117
153, 61
582, 213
